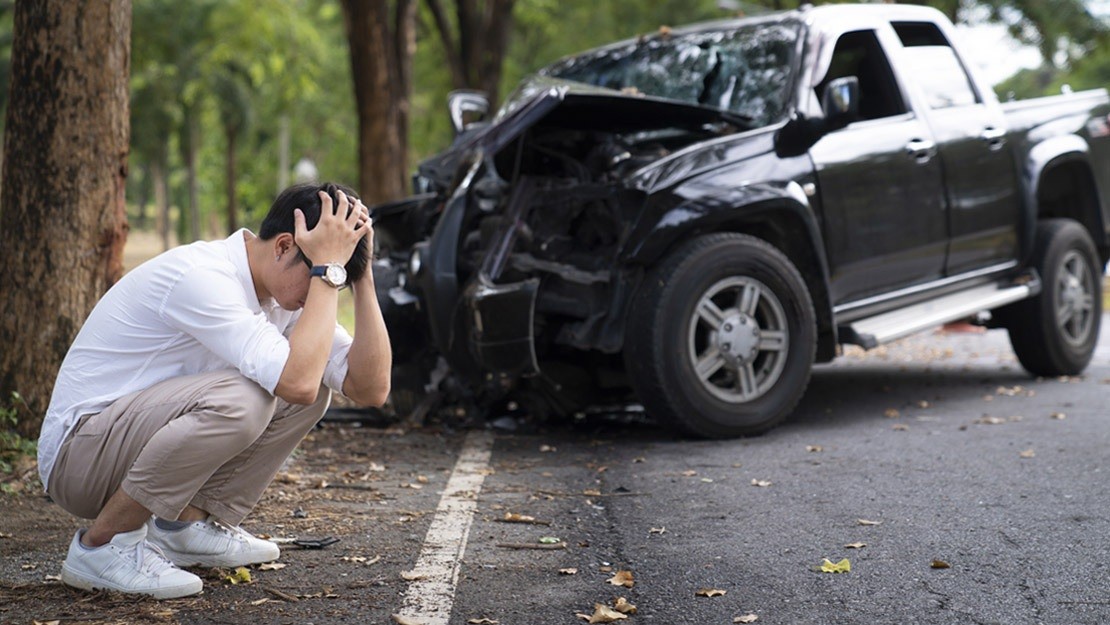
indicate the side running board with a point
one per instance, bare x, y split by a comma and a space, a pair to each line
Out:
874, 331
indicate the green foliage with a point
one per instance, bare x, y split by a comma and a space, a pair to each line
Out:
13, 447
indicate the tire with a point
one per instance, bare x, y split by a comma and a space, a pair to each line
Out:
1055, 333
698, 302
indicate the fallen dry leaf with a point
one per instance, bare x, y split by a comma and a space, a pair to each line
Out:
828, 566
412, 576
990, 420
547, 449
260, 601
761, 483
689, 473
375, 467
657, 530
513, 517
710, 592
46, 622
855, 545
922, 404
940, 564
404, 620
747, 618
891, 413
620, 604
814, 448
622, 578
482, 621
568, 571
1028, 453
602, 614
1059, 416
241, 575
866, 522
900, 427
423, 479
591, 492
4, 535
272, 566
52, 578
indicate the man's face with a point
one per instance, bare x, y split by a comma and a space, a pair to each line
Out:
290, 288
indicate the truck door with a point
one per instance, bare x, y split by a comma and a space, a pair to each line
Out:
979, 171
880, 182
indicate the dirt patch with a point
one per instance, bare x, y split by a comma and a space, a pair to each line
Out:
361, 485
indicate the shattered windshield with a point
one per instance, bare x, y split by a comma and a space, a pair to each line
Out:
746, 70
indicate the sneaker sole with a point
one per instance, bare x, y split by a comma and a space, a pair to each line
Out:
75, 579
191, 559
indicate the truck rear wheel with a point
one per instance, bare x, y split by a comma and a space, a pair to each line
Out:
721, 337
1055, 332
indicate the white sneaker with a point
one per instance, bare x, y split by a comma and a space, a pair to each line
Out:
127, 564
212, 543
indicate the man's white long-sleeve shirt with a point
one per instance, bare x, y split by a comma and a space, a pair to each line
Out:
190, 310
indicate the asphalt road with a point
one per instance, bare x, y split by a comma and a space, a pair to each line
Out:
941, 440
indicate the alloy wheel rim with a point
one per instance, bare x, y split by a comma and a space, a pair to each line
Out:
1074, 301
737, 339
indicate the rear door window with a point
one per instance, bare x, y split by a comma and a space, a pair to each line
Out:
931, 60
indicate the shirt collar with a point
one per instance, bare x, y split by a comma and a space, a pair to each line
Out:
237, 248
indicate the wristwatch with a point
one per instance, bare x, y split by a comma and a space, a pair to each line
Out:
333, 274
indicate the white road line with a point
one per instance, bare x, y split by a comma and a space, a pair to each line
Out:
430, 596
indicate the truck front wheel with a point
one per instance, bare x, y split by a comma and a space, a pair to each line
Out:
721, 337
1055, 332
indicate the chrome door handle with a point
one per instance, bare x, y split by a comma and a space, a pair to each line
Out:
921, 150
995, 138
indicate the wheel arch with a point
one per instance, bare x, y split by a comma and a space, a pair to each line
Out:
780, 216
1062, 185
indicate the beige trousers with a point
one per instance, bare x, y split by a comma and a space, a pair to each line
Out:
213, 440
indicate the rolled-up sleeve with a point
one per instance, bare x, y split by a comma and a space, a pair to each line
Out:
210, 305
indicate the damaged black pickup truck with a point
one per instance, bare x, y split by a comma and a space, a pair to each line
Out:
692, 219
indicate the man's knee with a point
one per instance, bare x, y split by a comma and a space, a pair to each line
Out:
242, 401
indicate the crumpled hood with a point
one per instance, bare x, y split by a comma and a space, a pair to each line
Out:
559, 103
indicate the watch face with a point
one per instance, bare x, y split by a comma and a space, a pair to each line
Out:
336, 275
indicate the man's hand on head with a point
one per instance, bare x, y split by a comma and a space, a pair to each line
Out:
334, 237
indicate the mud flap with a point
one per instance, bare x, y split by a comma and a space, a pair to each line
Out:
503, 328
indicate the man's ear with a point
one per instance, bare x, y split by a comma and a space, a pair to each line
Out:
283, 244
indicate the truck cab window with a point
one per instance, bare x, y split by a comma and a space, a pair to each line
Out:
859, 54
929, 57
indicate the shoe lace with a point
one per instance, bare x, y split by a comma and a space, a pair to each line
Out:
150, 559
234, 531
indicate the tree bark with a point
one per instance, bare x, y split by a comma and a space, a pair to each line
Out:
63, 222
162, 199
475, 56
232, 205
382, 40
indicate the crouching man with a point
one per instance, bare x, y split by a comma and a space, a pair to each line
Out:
194, 378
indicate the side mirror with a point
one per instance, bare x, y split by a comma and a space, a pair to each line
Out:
466, 107
841, 105
841, 102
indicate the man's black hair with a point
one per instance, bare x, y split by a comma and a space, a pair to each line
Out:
306, 198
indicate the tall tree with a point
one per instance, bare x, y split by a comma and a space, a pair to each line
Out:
382, 38
62, 221
475, 41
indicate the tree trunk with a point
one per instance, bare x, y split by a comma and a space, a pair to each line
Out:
190, 136
381, 48
476, 55
162, 199
232, 209
283, 153
63, 223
